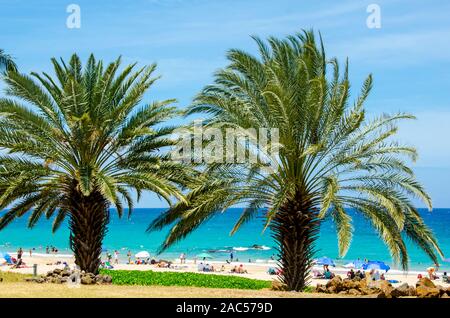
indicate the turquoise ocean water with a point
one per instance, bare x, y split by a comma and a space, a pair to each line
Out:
213, 237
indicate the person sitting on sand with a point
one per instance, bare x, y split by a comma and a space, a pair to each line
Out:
66, 266
376, 275
18, 264
445, 278
161, 264
273, 271
241, 270
371, 275
361, 274
351, 274
328, 274
432, 273
382, 277
222, 269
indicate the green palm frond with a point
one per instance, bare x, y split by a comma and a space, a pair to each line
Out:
84, 130
331, 155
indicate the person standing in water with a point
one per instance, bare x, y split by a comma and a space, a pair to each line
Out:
231, 257
129, 256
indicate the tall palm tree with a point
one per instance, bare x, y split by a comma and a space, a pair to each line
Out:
331, 157
84, 145
6, 61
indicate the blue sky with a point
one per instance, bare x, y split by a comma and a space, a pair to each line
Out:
409, 55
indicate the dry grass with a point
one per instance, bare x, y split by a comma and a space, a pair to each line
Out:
35, 290
11, 277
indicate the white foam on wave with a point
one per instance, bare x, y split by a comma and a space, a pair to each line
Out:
240, 248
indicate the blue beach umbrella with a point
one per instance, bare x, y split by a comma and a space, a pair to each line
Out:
376, 265
7, 257
325, 261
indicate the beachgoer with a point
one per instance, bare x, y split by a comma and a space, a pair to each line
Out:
351, 274
19, 253
129, 257
116, 257
382, 277
241, 269
31, 252
182, 258
231, 256
376, 275
46, 250
445, 278
431, 274
222, 269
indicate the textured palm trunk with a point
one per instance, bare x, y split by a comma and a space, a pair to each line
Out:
89, 217
295, 228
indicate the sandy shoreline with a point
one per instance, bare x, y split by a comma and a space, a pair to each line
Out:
47, 262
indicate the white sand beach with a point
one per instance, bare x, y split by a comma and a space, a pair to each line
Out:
48, 262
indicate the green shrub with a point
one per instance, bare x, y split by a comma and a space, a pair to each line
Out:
128, 277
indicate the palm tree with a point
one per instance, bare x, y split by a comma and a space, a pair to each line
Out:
6, 61
331, 157
84, 145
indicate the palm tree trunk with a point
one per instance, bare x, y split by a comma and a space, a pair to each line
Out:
89, 217
295, 228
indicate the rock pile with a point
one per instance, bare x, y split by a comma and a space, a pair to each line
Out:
425, 288
61, 276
